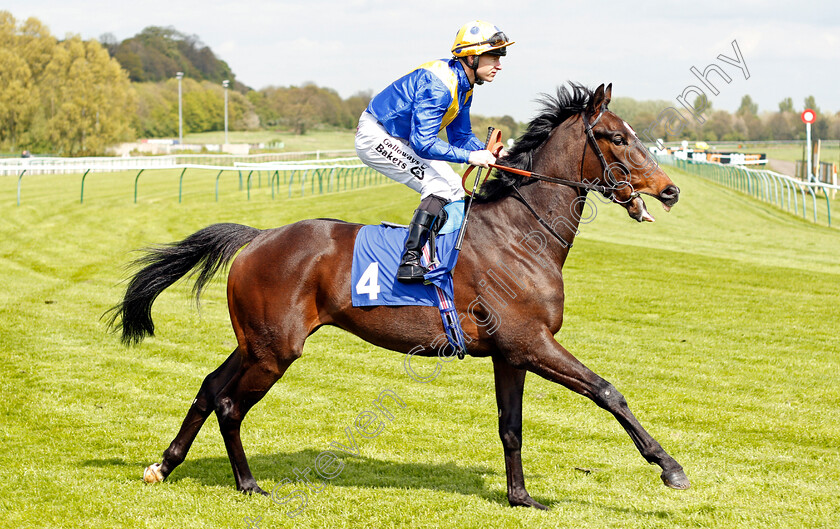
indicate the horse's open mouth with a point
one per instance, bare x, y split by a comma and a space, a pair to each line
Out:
637, 209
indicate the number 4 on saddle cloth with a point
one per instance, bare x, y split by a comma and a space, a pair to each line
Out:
376, 257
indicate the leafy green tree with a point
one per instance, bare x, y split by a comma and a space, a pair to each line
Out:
18, 98
203, 108
241, 115
299, 108
157, 109
357, 103
811, 102
68, 97
508, 126
781, 126
748, 107
717, 126
24, 51
834, 127
650, 118
703, 104
131, 62
786, 105
822, 126
157, 53
90, 99
639, 114
747, 125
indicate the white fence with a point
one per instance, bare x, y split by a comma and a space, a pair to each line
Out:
319, 174
783, 191
54, 165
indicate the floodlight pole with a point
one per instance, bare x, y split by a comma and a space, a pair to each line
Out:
226, 83
179, 76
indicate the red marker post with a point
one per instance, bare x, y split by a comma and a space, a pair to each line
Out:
808, 117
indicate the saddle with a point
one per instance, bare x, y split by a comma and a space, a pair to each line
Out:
376, 257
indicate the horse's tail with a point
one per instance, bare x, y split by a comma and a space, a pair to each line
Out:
204, 253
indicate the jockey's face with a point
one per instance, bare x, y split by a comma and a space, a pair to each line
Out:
488, 67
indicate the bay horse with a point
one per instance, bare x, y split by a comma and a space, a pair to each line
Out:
281, 287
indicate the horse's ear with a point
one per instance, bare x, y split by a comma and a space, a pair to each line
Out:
597, 100
608, 94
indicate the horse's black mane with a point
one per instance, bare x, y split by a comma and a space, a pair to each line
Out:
555, 110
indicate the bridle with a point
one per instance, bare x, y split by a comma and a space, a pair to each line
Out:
605, 167
607, 191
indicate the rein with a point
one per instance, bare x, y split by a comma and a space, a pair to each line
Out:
604, 190
583, 184
607, 191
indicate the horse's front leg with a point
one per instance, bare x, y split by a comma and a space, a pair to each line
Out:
552, 361
509, 385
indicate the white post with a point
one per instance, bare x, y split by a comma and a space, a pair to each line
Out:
225, 83
180, 75
808, 142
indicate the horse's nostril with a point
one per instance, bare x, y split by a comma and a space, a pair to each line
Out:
670, 194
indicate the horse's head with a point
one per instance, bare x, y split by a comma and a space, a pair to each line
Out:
626, 166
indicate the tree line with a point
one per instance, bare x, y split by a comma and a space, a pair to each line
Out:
74, 97
158, 53
59, 96
658, 119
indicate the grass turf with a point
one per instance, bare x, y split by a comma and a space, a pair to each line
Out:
718, 323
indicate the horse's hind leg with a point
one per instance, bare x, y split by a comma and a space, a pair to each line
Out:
552, 361
246, 388
201, 408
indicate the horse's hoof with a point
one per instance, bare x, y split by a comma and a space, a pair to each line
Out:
152, 474
253, 489
528, 501
676, 479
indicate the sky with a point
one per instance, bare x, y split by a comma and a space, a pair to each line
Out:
646, 49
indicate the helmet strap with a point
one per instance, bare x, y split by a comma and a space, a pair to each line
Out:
475, 70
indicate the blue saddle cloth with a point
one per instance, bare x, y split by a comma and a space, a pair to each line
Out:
376, 257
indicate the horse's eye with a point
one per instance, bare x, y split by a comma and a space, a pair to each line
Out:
618, 140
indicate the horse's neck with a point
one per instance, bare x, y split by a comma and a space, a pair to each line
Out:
509, 223
560, 207
557, 205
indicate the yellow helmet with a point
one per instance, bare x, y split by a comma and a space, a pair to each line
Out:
478, 37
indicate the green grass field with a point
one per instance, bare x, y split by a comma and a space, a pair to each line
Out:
717, 322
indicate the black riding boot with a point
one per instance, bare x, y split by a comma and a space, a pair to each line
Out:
411, 270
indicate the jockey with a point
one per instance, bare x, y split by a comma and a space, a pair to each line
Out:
398, 132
